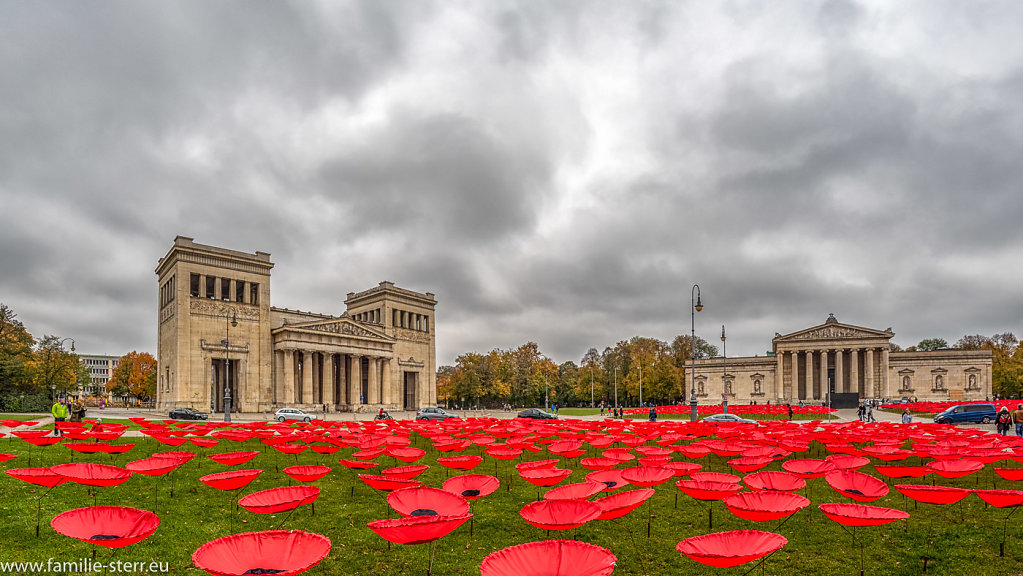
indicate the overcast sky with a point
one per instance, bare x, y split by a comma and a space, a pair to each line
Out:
562, 172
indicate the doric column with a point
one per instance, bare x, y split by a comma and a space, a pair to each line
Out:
385, 369
307, 377
374, 381
289, 378
840, 383
825, 386
328, 380
356, 383
811, 390
884, 373
868, 372
854, 372
342, 377
779, 376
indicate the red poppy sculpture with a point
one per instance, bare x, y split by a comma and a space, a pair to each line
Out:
621, 503
954, 468
279, 499
230, 480
109, 526
90, 474
278, 552
764, 506
774, 480
405, 472
550, 558
427, 501
39, 476
560, 514
234, 458
647, 476
418, 529
307, 473
732, 548
856, 485
807, 468
472, 486
387, 483
545, 477
577, 491
463, 463
933, 494
860, 514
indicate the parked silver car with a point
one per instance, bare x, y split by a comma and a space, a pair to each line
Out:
434, 414
292, 414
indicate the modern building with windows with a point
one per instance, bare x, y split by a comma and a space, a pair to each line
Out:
804, 366
217, 329
101, 369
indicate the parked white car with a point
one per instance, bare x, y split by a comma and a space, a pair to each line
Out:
292, 414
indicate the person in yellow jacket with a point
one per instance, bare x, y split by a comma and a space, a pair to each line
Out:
59, 411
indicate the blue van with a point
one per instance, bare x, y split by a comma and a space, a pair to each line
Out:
977, 413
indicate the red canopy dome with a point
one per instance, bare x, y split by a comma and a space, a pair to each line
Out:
417, 529
620, 504
278, 552
808, 467
579, 490
405, 472
856, 485
91, 474
387, 483
110, 526
933, 494
153, 466
774, 480
1001, 498
309, 473
727, 549
762, 506
612, 479
234, 458
427, 501
465, 462
38, 476
230, 480
550, 558
861, 515
279, 499
647, 476
472, 486
560, 514
707, 489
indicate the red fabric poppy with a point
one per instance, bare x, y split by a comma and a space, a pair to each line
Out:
203, 442
598, 463
732, 548
707, 489
465, 462
6, 457
550, 558
544, 477
847, 461
618, 455
279, 499
773, 452
715, 477
577, 491
647, 476
427, 501
42, 441
682, 468
406, 455
472, 486
1001, 498
387, 483
181, 456
230, 480
763, 506
234, 458
277, 552
86, 447
24, 434
902, 471
91, 474
861, 515
807, 468
611, 479
405, 472
774, 480
39, 476
933, 494
291, 448
887, 453
504, 453
560, 514
309, 473
1014, 474
620, 504
416, 529
153, 466
750, 463
110, 526
358, 464
537, 465
856, 485
169, 440
954, 468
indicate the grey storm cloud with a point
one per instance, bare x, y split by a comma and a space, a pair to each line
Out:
562, 172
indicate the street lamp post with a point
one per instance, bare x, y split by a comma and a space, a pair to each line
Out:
229, 321
640, 385
697, 306
616, 387
591, 386
724, 375
61, 346
546, 392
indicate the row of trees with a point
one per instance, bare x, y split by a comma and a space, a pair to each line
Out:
639, 367
31, 370
522, 376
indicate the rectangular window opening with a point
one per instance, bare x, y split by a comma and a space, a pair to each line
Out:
193, 286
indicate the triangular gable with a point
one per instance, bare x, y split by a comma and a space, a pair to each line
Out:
833, 330
343, 326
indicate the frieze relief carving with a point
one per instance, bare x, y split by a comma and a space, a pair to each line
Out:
206, 307
411, 335
342, 328
830, 332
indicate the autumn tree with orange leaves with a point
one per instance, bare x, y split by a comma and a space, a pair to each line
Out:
134, 376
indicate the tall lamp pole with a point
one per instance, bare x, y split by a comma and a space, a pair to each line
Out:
697, 306
591, 386
61, 345
229, 321
724, 375
616, 387
641, 385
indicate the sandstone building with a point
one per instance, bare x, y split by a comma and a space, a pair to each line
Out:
217, 329
844, 358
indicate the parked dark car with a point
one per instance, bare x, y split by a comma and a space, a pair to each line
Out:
976, 413
536, 414
434, 414
188, 414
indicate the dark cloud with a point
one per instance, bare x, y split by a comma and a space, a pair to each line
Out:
558, 172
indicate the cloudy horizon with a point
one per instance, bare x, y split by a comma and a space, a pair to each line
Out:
558, 172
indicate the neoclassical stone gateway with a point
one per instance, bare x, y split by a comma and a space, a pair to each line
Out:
217, 328
849, 359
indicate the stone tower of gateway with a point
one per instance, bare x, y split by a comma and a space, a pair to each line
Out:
217, 329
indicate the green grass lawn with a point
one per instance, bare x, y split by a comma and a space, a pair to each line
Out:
958, 539
23, 417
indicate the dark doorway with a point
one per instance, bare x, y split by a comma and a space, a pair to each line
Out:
218, 373
411, 389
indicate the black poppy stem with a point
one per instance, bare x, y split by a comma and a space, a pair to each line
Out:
433, 548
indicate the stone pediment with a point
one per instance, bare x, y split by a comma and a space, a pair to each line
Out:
342, 326
834, 330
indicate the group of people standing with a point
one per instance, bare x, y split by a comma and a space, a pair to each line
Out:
866, 412
66, 410
1005, 420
